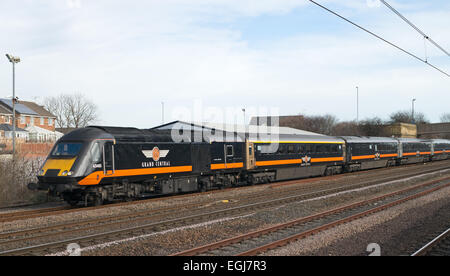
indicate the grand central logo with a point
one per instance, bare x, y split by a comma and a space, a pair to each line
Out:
156, 154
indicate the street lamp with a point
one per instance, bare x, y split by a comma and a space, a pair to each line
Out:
413, 100
14, 60
357, 104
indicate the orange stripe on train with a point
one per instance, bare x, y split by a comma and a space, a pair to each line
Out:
226, 166
95, 177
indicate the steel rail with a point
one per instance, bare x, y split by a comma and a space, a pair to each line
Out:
337, 223
237, 239
151, 214
429, 246
110, 235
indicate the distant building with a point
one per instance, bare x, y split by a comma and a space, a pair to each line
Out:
6, 131
402, 130
33, 122
439, 130
27, 114
273, 120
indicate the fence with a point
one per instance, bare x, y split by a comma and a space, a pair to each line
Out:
27, 148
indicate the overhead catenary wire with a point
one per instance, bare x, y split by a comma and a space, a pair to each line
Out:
414, 27
379, 37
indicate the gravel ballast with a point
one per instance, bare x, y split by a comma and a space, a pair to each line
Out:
398, 231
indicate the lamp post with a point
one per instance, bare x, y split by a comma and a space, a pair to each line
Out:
14, 60
413, 100
357, 104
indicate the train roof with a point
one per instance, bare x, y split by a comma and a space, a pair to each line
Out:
296, 138
414, 140
120, 134
231, 128
440, 141
366, 139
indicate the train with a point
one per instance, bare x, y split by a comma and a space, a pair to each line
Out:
95, 165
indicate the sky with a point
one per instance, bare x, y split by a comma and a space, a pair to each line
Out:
206, 60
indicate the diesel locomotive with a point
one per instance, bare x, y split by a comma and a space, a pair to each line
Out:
97, 164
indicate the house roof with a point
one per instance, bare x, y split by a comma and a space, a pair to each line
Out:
20, 108
40, 110
4, 110
6, 127
24, 107
36, 129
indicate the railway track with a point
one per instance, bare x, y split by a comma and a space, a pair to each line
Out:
11, 216
439, 246
260, 241
49, 247
157, 213
21, 215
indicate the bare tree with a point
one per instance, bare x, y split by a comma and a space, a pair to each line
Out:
406, 117
322, 124
373, 127
445, 118
72, 110
347, 129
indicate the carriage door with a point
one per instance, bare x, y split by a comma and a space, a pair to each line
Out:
249, 155
108, 158
228, 151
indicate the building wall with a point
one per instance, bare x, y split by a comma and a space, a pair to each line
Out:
402, 130
35, 121
5, 119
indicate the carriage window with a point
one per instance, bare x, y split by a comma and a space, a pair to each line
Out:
334, 148
291, 149
308, 148
96, 155
320, 148
301, 149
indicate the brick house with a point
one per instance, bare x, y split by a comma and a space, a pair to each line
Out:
27, 114
5, 115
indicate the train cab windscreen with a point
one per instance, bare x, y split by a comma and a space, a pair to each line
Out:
66, 149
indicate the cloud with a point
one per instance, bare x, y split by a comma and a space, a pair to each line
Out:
130, 58
74, 4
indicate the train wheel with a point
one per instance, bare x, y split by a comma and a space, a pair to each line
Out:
98, 201
73, 203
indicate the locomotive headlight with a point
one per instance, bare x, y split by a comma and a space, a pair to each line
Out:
64, 173
41, 172
69, 173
